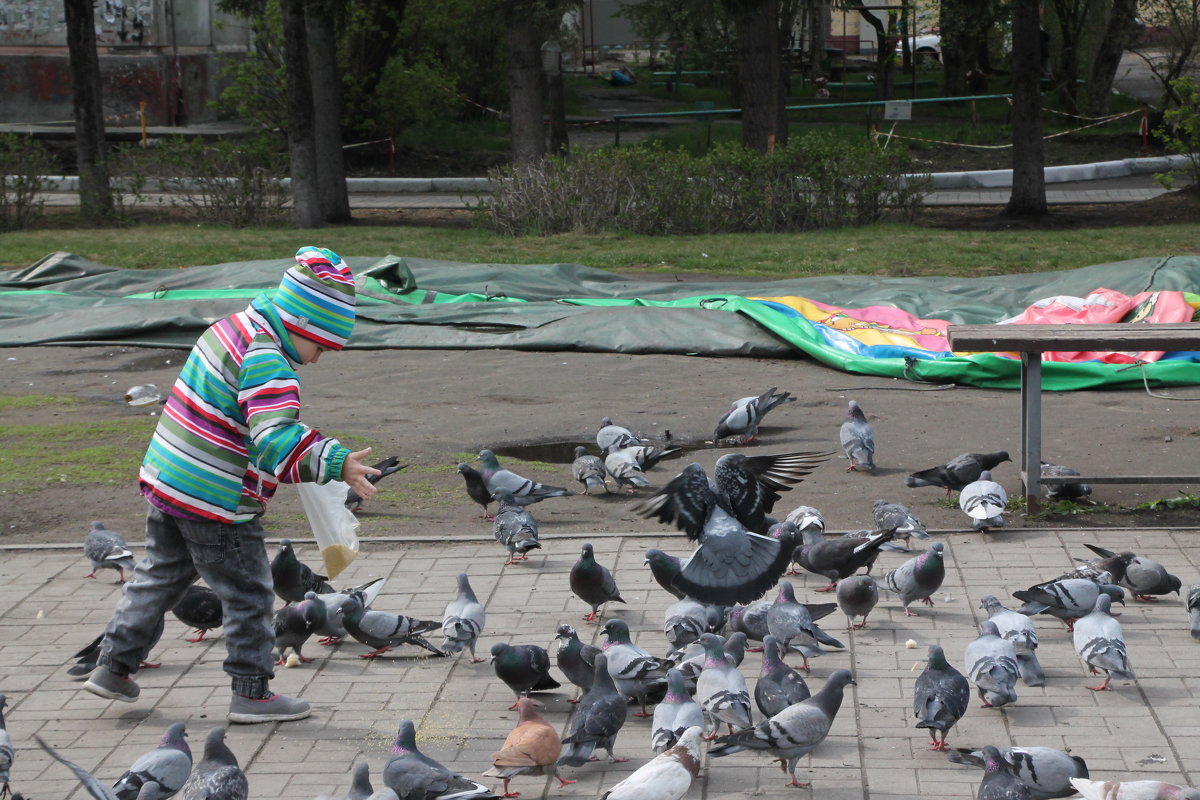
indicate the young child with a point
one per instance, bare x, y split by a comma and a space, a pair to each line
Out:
230, 432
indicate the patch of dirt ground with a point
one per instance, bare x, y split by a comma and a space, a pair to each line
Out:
436, 408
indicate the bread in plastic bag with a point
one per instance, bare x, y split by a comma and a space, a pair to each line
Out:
333, 525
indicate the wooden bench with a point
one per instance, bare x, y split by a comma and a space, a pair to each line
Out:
1030, 341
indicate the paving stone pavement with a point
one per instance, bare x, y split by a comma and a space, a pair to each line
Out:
1144, 729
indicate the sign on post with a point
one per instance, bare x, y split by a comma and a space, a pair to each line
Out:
897, 109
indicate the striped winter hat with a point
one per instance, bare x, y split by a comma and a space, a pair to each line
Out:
316, 298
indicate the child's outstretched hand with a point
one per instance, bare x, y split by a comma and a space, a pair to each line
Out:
355, 472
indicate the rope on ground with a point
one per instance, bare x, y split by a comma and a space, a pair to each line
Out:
1146, 383
364, 144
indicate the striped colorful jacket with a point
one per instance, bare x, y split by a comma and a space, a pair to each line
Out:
231, 429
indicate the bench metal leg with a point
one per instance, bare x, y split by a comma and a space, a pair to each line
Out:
1031, 428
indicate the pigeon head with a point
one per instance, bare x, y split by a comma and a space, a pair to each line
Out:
587, 553
505, 498
176, 736
96, 525
527, 709
937, 657
215, 749
360, 782
770, 651
658, 559
1115, 593
605, 422
855, 412
786, 592
464, 468
989, 628
580, 451
985, 475
989, 603
406, 739
565, 631
676, 687
489, 459
785, 531
499, 648
992, 762
617, 631
1103, 604
838, 681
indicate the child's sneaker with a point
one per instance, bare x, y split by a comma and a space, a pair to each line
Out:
111, 686
276, 708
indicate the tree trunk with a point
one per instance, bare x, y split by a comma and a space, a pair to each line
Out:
1118, 36
760, 75
1028, 196
559, 140
953, 25
302, 140
525, 88
95, 197
332, 192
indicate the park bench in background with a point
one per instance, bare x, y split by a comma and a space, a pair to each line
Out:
1030, 341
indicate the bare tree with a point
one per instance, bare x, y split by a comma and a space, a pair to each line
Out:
760, 76
525, 87
95, 197
301, 133
1072, 16
1119, 34
1177, 51
1028, 196
332, 191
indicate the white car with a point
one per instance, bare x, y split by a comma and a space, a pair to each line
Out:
926, 47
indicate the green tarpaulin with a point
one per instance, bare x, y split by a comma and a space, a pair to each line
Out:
424, 303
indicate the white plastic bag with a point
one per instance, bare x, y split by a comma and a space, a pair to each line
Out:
334, 526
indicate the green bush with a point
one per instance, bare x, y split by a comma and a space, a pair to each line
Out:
24, 165
815, 182
1181, 131
231, 182
420, 93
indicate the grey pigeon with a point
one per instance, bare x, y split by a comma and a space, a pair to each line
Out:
721, 689
477, 490
575, 659
690, 661
984, 501
463, 620
389, 466
360, 784
750, 619
810, 529
1192, 604
1046, 771
918, 578
794, 624
598, 718
294, 625
592, 583
857, 438
778, 685
1132, 790
898, 519
647, 456
1100, 643
524, 668
1068, 598
674, 714
746, 414
856, 597
667, 776
1063, 491
167, 765
999, 783
332, 624
635, 672
531, 748
1019, 630
683, 623
525, 491
731, 564
412, 775
87, 658
106, 549
90, 782
992, 666
958, 471
793, 732
588, 470
199, 607
217, 776
614, 437
1143, 577
941, 697
625, 471
890, 545
383, 630
7, 754
515, 528
292, 578
665, 568
838, 558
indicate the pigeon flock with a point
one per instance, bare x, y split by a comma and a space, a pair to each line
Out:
729, 596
